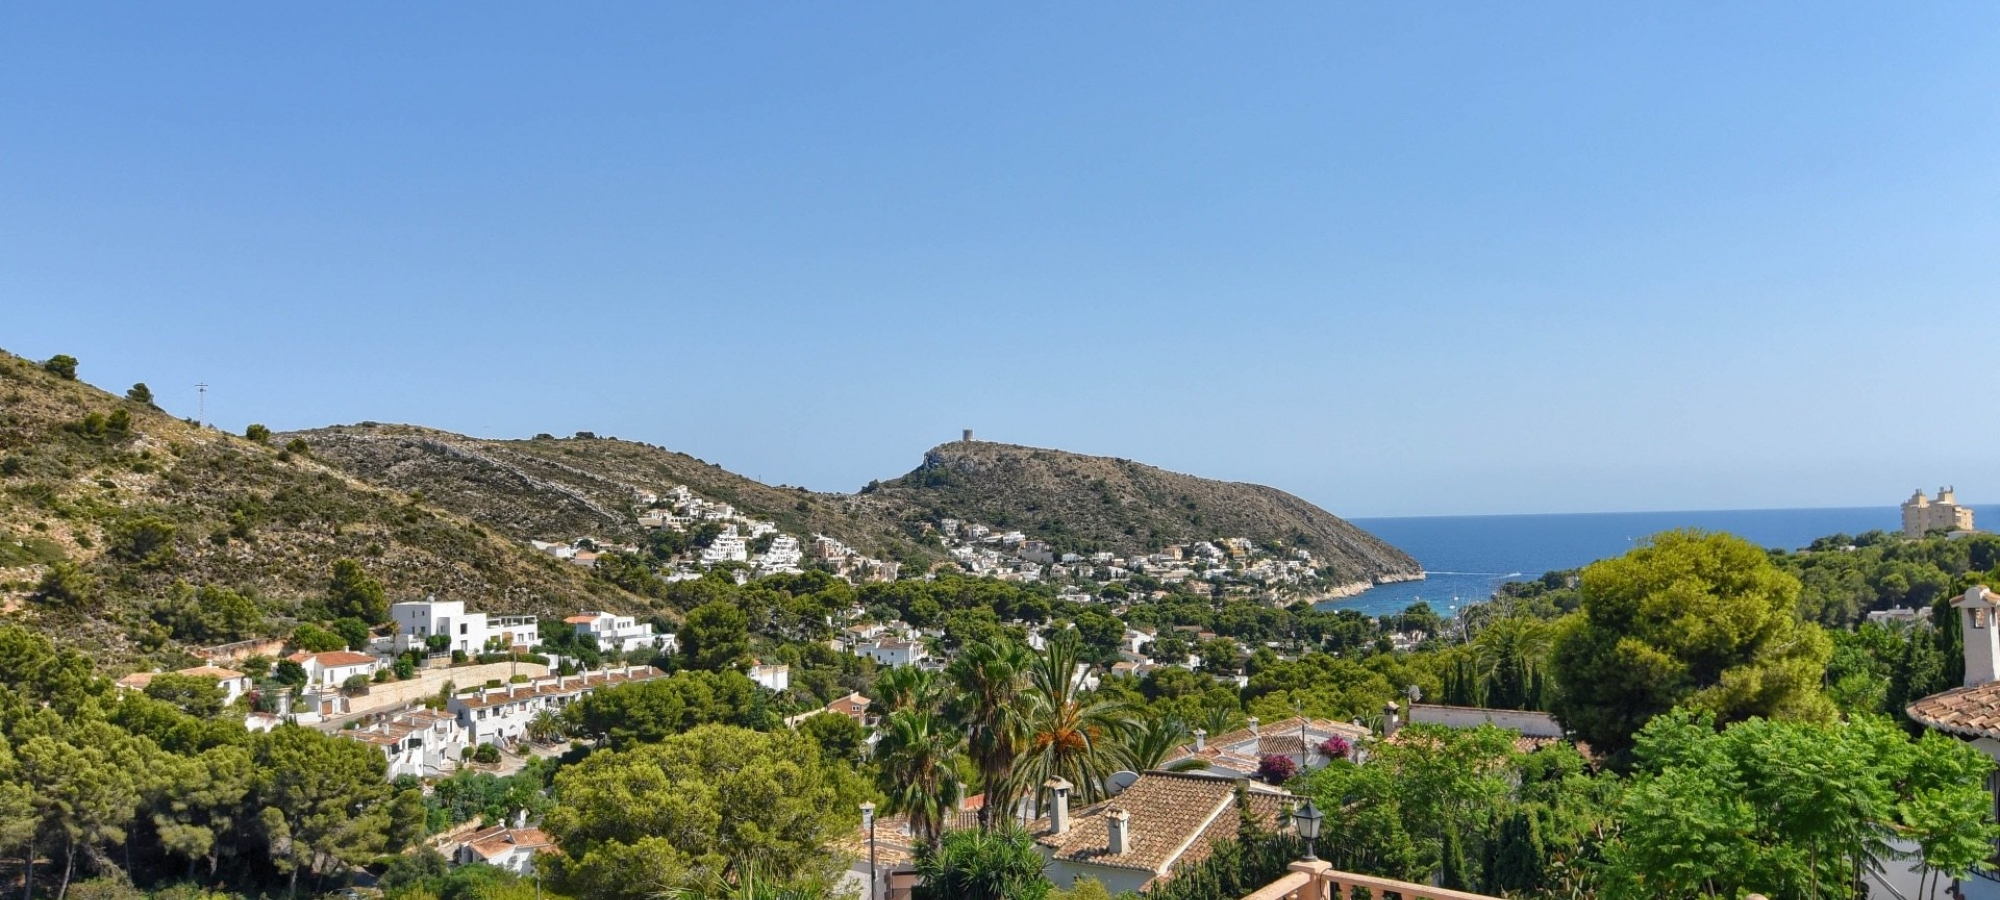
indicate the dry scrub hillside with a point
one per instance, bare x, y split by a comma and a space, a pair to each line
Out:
132, 508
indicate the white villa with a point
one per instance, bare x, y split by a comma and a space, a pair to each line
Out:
416, 621
621, 633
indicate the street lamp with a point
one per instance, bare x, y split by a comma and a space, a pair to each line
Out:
1306, 819
868, 822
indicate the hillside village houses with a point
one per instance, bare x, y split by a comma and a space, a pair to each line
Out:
497, 715
680, 509
424, 743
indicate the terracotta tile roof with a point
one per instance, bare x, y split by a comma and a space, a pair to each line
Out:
333, 658
557, 686
1175, 820
894, 845
1968, 711
501, 840
580, 620
216, 672
138, 680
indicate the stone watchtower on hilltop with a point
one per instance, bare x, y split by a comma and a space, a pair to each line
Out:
1922, 515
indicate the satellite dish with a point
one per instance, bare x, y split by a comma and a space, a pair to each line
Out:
1120, 780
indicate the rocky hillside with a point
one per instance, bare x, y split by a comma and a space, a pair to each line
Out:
127, 504
556, 489
1093, 502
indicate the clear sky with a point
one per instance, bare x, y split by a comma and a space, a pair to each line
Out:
1399, 259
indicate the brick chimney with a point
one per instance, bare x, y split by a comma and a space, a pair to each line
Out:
1058, 805
1118, 825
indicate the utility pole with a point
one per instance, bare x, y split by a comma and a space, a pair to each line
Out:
201, 414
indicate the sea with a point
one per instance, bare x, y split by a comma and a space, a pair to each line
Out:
1469, 557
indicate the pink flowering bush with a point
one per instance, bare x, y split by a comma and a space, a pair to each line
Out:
1336, 747
1276, 769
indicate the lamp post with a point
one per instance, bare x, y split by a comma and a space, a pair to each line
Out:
1307, 820
868, 822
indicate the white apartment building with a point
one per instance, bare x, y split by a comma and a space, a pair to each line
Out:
499, 714
784, 554
727, 547
621, 634
416, 621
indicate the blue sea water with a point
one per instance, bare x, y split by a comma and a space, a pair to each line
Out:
1468, 557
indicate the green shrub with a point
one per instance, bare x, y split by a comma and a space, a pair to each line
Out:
258, 433
63, 366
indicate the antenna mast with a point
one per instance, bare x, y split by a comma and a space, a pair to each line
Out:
201, 416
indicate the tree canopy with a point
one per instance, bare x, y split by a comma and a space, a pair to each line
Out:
1689, 617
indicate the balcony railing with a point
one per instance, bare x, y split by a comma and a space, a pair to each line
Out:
1321, 881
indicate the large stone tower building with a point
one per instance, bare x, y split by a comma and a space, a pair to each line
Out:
1922, 515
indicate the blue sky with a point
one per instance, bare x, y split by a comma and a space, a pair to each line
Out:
1400, 260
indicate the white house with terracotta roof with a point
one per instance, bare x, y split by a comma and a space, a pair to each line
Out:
499, 714
1971, 712
1145, 834
326, 671
511, 847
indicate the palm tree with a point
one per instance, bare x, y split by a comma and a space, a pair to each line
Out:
751, 887
546, 728
1072, 734
1001, 864
908, 688
1221, 718
1509, 655
1153, 740
989, 679
918, 753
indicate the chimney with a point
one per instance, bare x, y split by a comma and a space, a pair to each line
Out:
1254, 724
285, 704
1390, 721
1200, 739
1981, 634
1118, 825
520, 818
1059, 805
1256, 737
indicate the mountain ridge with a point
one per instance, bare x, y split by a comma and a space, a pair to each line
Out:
557, 489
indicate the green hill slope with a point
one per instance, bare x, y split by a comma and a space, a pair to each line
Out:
139, 502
